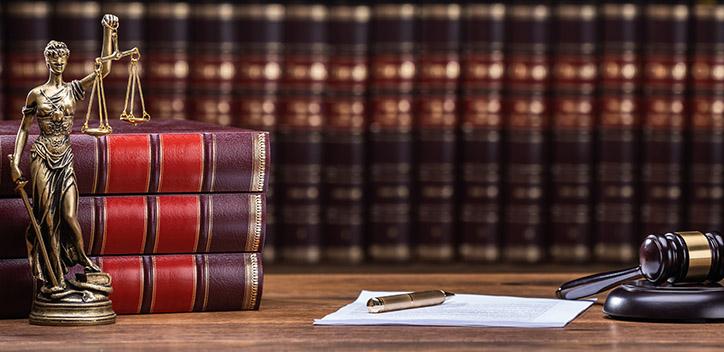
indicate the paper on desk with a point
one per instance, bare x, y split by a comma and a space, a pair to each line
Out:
464, 310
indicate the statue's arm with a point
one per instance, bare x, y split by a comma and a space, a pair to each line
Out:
110, 24
22, 137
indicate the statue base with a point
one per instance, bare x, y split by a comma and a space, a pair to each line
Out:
72, 314
84, 302
677, 303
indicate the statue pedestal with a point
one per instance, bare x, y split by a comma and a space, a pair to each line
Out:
84, 302
690, 303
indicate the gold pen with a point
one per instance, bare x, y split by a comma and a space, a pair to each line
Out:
407, 300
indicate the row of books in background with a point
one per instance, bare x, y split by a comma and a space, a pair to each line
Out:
480, 132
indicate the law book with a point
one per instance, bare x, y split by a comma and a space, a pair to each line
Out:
153, 224
664, 116
212, 55
299, 132
156, 283
706, 154
156, 157
131, 16
166, 37
481, 99
435, 131
618, 137
2, 61
27, 30
526, 125
77, 24
344, 134
390, 102
574, 77
260, 34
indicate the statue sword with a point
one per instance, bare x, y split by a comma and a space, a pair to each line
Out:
20, 188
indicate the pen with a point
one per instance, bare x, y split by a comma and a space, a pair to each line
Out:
407, 300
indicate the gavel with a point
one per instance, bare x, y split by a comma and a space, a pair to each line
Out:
674, 257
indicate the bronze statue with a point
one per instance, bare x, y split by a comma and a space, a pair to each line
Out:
55, 241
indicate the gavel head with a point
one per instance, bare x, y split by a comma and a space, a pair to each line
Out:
686, 256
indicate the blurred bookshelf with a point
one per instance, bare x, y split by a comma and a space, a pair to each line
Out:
432, 137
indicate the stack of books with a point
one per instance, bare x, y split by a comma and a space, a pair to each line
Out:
174, 211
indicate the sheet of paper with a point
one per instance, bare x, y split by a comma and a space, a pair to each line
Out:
464, 310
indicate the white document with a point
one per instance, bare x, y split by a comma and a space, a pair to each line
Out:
464, 310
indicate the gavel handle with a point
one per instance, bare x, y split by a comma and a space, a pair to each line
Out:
593, 284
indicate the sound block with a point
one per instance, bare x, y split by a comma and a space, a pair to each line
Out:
642, 300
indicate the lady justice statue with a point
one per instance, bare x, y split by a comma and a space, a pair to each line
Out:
55, 241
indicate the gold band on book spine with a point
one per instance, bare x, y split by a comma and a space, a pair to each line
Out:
269, 12
350, 13
394, 11
251, 281
440, 11
494, 11
28, 9
259, 163
175, 10
253, 240
315, 13
78, 9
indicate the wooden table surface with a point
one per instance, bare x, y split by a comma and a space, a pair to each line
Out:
292, 301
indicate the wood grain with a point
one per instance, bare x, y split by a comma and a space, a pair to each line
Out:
292, 302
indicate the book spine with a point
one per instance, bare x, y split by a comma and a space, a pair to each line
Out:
526, 124
157, 284
392, 76
130, 34
167, 224
2, 62
706, 178
166, 33
27, 29
435, 125
213, 52
260, 31
160, 162
77, 24
618, 138
299, 133
481, 99
574, 74
665, 77
344, 134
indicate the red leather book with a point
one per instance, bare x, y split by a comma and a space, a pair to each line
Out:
157, 157
299, 133
435, 126
574, 73
664, 116
77, 23
344, 142
131, 17
259, 32
161, 224
156, 283
481, 98
706, 172
27, 31
166, 42
212, 57
526, 124
390, 105
618, 136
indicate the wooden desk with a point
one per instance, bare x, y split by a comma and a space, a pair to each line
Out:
291, 302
